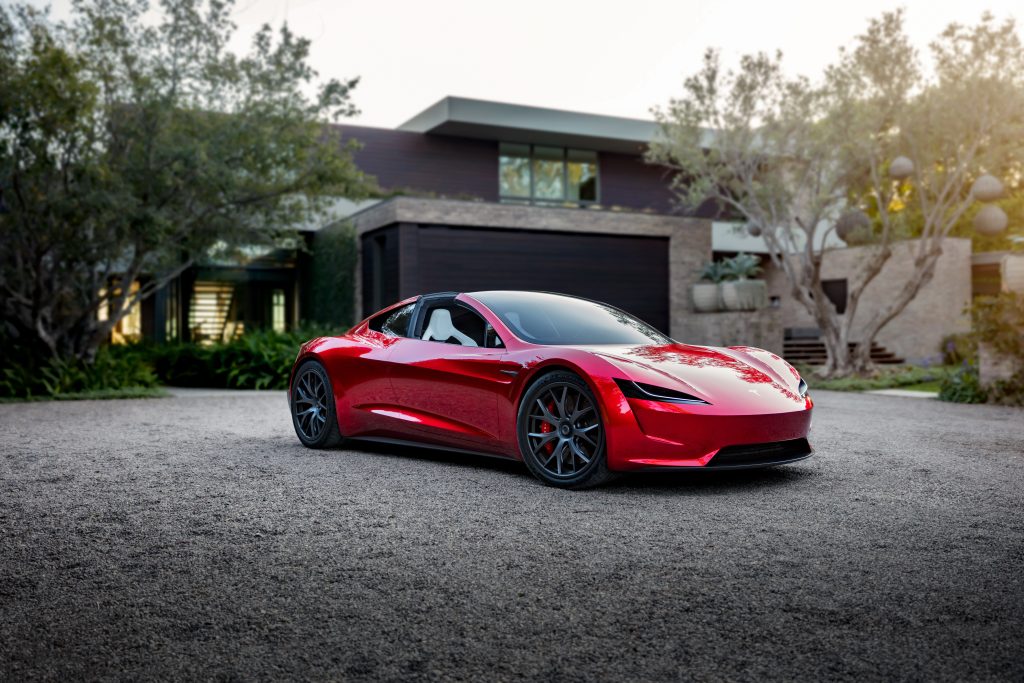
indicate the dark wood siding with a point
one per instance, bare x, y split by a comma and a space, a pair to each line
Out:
986, 279
380, 269
448, 166
627, 181
626, 271
468, 168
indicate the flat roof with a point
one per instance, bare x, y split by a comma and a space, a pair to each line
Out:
464, 117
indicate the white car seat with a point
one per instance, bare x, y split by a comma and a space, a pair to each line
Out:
441, 329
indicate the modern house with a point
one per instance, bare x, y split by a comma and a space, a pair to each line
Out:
480, 195
489, 195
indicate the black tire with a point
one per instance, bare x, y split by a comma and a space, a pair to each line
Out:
570, 452
314, 415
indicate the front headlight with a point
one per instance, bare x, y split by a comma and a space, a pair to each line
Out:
802, 389
649, 392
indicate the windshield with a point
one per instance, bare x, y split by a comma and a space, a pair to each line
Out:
542, 318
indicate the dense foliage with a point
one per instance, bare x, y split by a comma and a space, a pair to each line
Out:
959, 348
791, 157
998, 323
256, 360
883, 378
113, 370
963, 386
329, 292
133, 142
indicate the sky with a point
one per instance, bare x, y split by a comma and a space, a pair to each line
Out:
615, 58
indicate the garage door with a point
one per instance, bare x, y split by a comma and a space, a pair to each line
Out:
626, 271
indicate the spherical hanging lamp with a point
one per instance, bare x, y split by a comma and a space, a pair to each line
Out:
901, 168
991, 220
854, 227
987, 188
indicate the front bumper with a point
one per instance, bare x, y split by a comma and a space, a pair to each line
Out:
647, 434
752, 456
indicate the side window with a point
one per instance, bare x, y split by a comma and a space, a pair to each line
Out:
394, 323
457, 325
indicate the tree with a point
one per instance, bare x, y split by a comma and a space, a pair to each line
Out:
131, 147
792, 157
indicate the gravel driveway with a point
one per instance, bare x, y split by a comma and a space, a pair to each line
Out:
194, 537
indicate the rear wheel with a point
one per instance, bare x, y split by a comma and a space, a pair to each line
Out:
313, 408
561, 434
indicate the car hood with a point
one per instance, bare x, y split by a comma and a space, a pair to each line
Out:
742, 378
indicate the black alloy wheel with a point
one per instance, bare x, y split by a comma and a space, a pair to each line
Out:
561, 435
313, 408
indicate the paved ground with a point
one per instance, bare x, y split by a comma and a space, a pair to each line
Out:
193, 537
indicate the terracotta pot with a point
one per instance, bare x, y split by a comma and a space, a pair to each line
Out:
744, 295
705, 297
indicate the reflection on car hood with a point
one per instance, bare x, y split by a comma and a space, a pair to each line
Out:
761, 382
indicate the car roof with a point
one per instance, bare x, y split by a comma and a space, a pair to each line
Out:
529, 292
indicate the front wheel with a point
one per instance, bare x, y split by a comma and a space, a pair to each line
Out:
313, 408
561, 434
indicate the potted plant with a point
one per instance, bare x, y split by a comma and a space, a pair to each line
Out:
705, 293
740, 292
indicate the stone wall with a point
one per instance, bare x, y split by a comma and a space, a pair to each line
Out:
916, 333
762, 328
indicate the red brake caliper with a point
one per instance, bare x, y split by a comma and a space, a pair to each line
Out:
546, 427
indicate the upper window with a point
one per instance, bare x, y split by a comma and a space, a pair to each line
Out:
547, 175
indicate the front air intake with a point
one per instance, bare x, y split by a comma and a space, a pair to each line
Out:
761, 453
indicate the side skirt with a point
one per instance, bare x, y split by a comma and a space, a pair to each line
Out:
428, 446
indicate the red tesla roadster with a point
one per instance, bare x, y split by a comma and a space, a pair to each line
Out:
576, 389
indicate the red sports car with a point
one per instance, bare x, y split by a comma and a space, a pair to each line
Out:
576, 389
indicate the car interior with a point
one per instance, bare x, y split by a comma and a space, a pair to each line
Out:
454, 324
443, 321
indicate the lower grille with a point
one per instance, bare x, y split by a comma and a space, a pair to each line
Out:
761, 453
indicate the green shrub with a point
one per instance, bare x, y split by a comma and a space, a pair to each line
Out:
23, 375
957, 348
256, 360
892, 377
963, 386
261, 360
999, 321
741, 266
